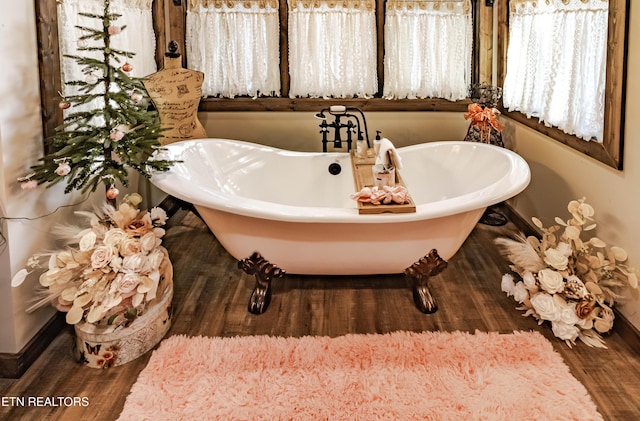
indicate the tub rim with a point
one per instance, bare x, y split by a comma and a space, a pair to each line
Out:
514, 181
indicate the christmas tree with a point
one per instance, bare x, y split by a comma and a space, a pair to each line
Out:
98, 145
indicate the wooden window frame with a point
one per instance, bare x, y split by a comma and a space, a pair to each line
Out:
610, 151
170, 17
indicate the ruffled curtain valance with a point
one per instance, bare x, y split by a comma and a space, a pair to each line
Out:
331, 4
556, 63
550, 6
444, 7
136, 4
428, 46
236, 45
231, 4
332, 49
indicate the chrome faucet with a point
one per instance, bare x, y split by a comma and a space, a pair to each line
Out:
340, 112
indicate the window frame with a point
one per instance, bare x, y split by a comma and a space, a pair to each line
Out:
610, 151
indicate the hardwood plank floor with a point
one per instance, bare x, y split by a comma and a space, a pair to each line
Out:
211, 297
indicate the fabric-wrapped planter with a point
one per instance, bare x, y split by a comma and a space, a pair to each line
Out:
103, 346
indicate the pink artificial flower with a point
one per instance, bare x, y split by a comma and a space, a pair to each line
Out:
63, 169
29, 185
116, 135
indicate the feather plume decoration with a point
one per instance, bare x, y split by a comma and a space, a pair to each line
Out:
67, 233
42, 296
521, 253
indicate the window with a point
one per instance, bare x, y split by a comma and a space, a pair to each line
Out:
564, 70
325, 35
556, 64
428, 48
236, 45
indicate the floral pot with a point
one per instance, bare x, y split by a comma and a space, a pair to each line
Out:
105, 346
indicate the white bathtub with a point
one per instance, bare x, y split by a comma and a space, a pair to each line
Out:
289, 208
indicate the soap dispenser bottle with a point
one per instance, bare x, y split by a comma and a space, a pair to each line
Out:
376, 143
361, 148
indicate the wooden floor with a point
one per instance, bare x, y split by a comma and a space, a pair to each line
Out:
211, 296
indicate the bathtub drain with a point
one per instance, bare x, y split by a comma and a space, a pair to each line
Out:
335, 168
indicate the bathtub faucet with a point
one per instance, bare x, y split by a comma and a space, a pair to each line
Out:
340, 112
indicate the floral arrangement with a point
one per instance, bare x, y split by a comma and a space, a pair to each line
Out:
110, 271
565, 280
383, 195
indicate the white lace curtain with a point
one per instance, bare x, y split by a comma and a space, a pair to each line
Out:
332, 48
235, 43
138, 37
428, 49
556, 63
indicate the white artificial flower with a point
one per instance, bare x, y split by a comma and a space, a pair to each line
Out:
87, 241
124, 215
545, 306
116, 264
520, 292
564, 248
114, 237
551, 281
529, 281
556, 259
508, 284
149, 242
136, 263
568, 314
130, 246
155, 259
565, 331
159, 216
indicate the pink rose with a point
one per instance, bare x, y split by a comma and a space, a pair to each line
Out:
101, 257
29, 185
126, 283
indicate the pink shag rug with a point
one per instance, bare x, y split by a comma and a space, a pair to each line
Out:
395, 376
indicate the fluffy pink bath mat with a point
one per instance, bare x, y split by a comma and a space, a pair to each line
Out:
396, 376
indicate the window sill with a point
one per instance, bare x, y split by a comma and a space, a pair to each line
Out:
315, 104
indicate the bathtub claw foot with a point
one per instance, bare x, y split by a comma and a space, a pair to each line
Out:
419, 273
264, 273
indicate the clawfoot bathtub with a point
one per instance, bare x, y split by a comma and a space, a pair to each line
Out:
289, 208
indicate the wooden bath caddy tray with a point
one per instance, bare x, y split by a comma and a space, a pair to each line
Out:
363, 177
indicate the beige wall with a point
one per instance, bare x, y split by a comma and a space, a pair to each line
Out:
299, 131
559, 174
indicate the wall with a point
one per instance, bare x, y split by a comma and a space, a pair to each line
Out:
299, 131
560, 174
32, 213
21, 140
